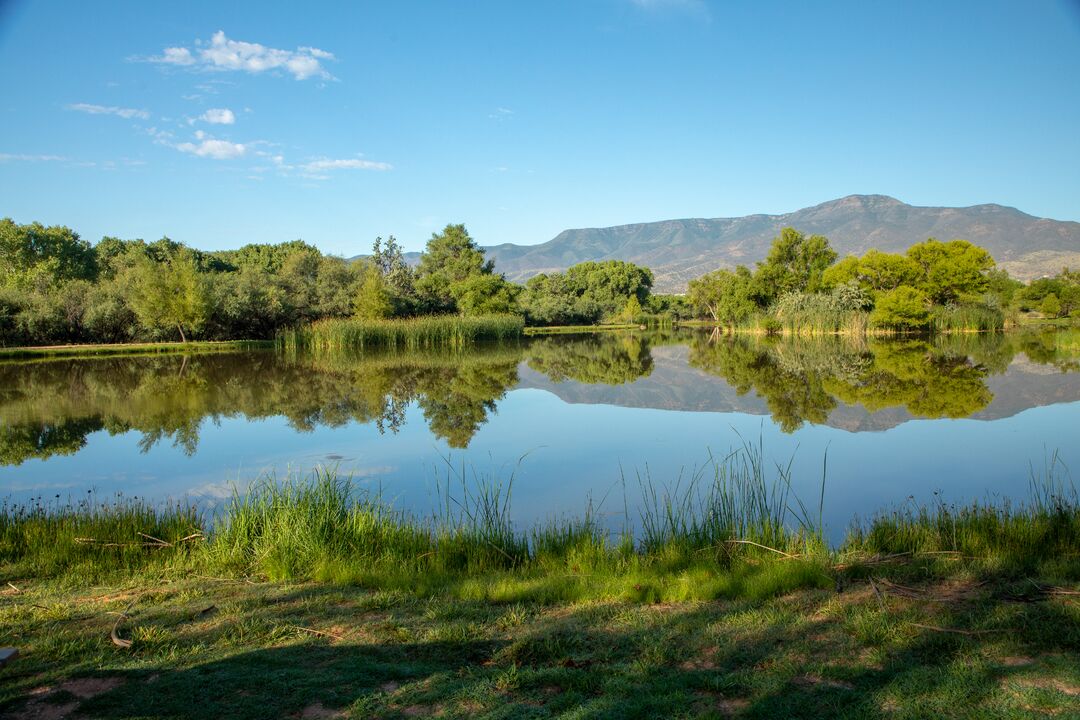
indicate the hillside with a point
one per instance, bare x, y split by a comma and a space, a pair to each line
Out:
679, 250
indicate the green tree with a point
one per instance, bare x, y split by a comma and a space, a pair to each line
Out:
905, 308
484, 295
952, 270
726, 296
37, 257
451, 256
795, 263
1050, 306
372, 300
170, 295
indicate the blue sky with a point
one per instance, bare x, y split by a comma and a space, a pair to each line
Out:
219, 124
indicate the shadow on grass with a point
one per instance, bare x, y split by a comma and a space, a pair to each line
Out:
811, 653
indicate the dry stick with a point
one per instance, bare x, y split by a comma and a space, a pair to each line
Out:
114, 635
880, 598
316, 632
956, 630
763, 547
10, 585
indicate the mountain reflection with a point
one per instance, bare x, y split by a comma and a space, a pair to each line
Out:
50, 408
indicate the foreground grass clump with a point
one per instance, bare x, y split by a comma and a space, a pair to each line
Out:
89, 539
1015, 538
434, 331
701, 540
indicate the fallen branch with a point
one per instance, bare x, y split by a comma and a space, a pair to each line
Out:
317, 632
115, 636
763, 547
957, 631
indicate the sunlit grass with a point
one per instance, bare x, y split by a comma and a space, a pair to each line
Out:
431, 331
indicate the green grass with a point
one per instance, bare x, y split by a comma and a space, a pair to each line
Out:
65, 351
371, 612
578, 329
93, 538
966, 318
434, 331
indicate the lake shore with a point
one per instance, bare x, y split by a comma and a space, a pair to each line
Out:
126, 609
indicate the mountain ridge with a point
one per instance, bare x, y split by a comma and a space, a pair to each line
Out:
679, 250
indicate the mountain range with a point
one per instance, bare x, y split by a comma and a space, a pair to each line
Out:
680, 250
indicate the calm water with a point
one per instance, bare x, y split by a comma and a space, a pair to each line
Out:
571, 418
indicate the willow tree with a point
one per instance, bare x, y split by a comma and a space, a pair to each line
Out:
170, 295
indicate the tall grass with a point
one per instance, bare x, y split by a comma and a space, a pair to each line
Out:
726, 504
434, 331
91, 537
966, 318
1019, 536
705, 534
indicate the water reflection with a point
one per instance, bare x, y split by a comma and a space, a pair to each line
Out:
50, 408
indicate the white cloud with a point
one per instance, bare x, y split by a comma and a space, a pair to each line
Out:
218, 116
322, 164
211, 148
176, 56
20, 157
225, 54
126, 113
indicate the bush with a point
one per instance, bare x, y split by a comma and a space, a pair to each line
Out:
904, 308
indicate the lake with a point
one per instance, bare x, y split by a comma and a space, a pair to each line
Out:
569, 419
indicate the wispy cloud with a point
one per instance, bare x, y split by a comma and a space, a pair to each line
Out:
126, 113
500, 113
218, 116
21, 157
322, 164
213, 148
221, 53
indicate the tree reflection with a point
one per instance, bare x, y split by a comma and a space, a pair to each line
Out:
608, 358
804, 380
49, 408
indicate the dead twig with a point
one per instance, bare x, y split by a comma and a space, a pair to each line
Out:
957, 631
763, 547
313, 631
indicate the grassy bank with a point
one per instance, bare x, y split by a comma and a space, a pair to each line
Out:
447, 331
57, 351
726, 604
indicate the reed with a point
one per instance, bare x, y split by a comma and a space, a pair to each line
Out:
966, 318
730, 528
433, 331
1015, 536
89, 538
727, 505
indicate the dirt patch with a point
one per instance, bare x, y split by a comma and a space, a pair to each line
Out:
818, 681
1016, 661
317, 711
40, 710
90, 687
726, 706
1050, 684
389, 687
732, 706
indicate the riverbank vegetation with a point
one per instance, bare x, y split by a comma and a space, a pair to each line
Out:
56, 288
714, 609
433, 331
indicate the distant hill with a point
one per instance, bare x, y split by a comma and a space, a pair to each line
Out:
680, 250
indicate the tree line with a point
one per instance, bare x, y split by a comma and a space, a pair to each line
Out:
56, 287
802, 284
